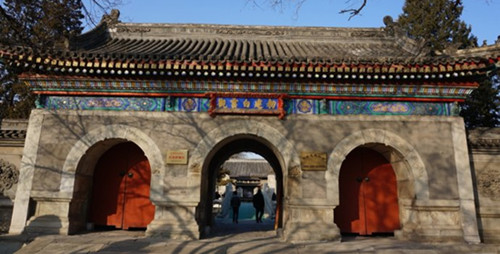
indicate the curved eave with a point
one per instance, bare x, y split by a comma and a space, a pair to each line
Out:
489, 52
371, 69
454, 77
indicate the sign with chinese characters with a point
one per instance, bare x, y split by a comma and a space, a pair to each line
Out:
246, 103
313, 161
177, 157
224, 103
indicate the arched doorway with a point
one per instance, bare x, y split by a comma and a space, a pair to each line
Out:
213, 161
368, 194
121, 188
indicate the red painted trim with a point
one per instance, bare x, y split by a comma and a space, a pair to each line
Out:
212, 96
213, 105
281, 107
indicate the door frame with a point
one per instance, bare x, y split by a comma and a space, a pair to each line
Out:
353, 197
80, 162
107, 168
411, 174
218, 155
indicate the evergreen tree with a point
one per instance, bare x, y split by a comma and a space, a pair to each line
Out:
437, 22
481, 109
37, 24
40, 25
16, 99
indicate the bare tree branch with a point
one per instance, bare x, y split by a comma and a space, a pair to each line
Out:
354, 12
281, 5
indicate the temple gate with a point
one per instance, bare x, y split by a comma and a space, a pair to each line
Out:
314, 102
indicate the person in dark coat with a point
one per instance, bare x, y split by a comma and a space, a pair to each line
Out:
235, 204
258, 204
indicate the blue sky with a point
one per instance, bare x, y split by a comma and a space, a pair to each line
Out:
482, 15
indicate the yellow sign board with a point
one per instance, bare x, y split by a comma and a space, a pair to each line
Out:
313, 161
177, 157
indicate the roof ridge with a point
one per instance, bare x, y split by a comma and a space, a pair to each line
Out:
111, 27
247, 32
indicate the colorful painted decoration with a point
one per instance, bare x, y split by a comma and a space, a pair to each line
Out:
305, 107
103, 103
188, 104
164, 87
390, 108
248, 105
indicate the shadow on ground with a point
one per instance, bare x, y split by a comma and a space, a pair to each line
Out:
245, 237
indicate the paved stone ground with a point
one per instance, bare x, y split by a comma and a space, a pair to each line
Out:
244, 237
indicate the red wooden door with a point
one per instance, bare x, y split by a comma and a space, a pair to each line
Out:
121, 187
368, 194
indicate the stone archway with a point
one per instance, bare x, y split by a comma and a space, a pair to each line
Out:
223, 151
411, 175
405, 159
289, 156
114, 132
79, 164
286, 156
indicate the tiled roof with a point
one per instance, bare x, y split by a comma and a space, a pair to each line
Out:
248, 167
245, 44
129, 42
131, 49
490, 52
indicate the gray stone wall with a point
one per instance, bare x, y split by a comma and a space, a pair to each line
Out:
429, 155
485, 160
12, 134
431, 137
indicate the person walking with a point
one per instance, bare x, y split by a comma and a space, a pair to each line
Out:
235, 204
258, 204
